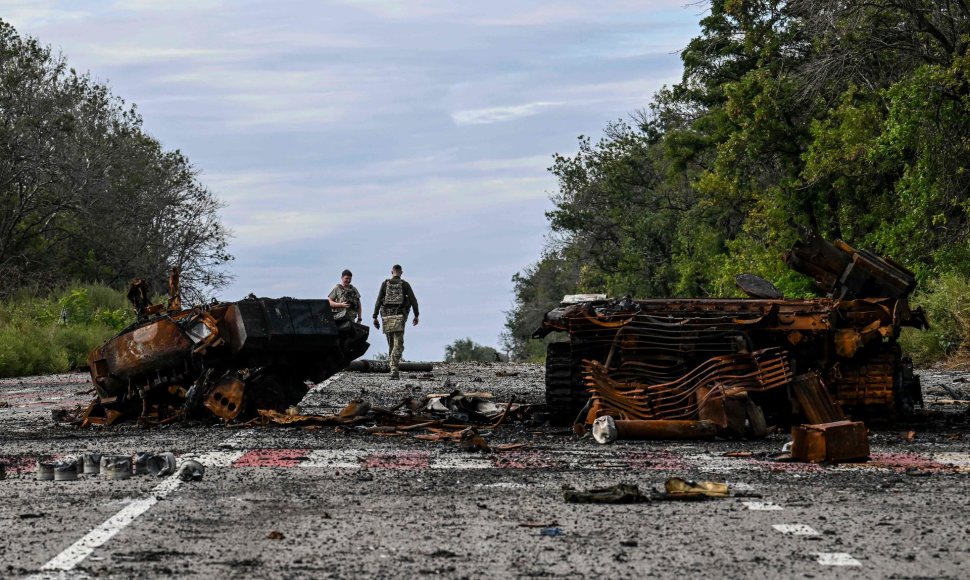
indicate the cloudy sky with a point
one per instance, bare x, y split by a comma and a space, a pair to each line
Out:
361, 133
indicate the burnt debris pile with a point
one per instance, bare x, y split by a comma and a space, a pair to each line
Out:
226, 360
695, 368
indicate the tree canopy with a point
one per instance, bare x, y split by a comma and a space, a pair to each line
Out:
844, 119
85, 193
467, 350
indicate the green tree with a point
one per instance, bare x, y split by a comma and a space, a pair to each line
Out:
467, 350
841, 119
85, 193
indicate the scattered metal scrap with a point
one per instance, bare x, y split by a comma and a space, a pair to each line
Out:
455, 417
679, 488
619, 493
229, 359
733, 362
675, 488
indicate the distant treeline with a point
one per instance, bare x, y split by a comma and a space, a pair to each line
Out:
848, 119
85, 194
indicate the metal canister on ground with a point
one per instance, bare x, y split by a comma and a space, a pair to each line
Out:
92, 463
45, 471
116, 466
65, 470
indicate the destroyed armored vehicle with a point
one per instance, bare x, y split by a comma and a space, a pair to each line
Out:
229, 359
673, 358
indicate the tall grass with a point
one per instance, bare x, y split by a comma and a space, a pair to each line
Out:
946, 301
53, 332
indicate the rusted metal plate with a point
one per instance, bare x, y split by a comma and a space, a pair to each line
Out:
833, 442
150, 348
814, 399
226, 398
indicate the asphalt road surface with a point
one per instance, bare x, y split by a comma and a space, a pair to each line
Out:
280, 502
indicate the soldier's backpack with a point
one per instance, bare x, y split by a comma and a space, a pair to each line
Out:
393, 293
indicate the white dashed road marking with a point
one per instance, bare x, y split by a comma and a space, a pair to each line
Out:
762, 506
796, 529
836, 559
961, 461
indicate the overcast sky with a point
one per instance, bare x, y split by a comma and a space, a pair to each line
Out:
362, 133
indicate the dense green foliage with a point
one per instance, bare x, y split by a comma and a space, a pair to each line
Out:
85, 193
947, 303
467, 350
55, 332
849, 120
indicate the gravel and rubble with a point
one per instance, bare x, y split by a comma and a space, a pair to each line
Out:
283, 502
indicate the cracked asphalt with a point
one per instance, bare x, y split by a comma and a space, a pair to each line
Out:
280, 502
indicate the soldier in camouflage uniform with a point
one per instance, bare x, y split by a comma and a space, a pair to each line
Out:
394, 301
347, 293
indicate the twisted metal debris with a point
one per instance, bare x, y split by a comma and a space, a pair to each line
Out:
666, 359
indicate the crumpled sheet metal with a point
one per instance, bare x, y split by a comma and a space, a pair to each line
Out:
455, 418
271, 416
848, 337
620, 493
679, 488
458, 405
679, 400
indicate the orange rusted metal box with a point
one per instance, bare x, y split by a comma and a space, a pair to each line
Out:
837, 441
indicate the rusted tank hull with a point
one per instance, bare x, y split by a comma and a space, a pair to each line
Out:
227, 358
664, 350
140, 355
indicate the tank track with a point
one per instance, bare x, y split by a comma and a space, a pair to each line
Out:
565, 395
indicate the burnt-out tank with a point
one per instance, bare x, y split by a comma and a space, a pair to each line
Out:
670, 353
227, 359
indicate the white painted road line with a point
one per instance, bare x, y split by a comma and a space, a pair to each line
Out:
708, 462
961, 461
216, 458
796, 529
836, 559
81, 549
762, 506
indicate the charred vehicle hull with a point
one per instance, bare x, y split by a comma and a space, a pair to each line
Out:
669, 354
228, 359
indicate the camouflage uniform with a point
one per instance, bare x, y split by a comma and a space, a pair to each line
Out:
394, 302
351, 296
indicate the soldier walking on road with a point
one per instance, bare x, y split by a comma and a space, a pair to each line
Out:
347, 293
394, 301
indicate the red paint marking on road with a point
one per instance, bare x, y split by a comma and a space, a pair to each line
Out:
398, 460
24, 463
271, 458
655, 460
905, 462
523, 460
